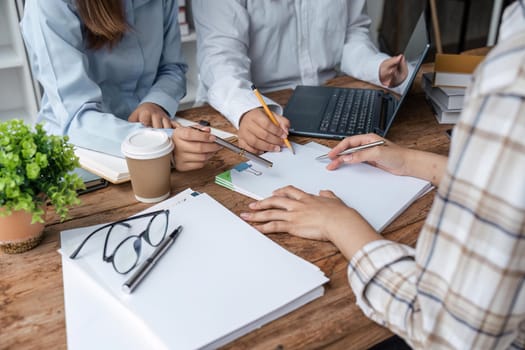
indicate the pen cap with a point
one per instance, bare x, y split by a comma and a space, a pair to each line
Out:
148, 156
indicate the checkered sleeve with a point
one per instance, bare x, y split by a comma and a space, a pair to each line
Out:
464, 285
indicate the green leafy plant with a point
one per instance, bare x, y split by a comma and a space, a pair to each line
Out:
35, 168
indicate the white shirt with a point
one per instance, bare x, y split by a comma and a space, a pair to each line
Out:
278, 44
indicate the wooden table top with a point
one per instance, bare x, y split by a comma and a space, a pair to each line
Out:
31, 288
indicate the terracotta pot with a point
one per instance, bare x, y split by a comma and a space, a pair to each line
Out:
18, 234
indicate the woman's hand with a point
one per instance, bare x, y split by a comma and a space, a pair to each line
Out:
193, 148
151, 115
324, 217
258, 134
389, 157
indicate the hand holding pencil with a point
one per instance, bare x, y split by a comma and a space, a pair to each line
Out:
257, 133
270, 115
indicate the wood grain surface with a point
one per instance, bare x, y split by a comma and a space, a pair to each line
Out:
31, 289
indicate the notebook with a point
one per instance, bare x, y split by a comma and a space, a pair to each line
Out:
331, 112
219, 280
376, 194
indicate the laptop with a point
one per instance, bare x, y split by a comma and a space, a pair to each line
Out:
335, 113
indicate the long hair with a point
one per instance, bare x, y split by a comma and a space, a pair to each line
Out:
104, 22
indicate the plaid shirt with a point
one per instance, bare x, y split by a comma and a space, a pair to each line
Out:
463, 287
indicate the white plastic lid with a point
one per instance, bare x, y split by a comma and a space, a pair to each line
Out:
146, 144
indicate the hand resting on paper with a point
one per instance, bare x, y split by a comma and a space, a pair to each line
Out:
324, 217
390, 157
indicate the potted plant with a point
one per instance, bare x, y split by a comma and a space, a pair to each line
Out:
35, 168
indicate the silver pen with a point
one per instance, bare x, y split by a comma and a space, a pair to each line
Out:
148, 264
240, 151
354, 149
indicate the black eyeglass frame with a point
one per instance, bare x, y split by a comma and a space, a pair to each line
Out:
142, 235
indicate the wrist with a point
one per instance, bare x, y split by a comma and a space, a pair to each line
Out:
352, 234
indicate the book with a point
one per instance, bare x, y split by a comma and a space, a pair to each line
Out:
455, 70
448, 97
376, 194
220, 280
112, 168
443, 115
115, 169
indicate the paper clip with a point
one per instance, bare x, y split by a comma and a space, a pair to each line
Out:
247, 167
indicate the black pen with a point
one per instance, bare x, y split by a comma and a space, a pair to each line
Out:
354, 149
148, 264
240, 151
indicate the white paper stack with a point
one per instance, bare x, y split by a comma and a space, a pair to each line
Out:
220, 280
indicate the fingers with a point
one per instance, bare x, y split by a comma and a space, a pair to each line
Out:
134, 117
275, 214
188, 140
366, 155
193, 148
369, 155
290, 192
327, 194
353, 141
257, 133
284, 123
393, 71
151, 115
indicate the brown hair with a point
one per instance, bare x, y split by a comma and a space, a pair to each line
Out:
104, 22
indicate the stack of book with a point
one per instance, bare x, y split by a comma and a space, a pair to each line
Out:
183, 19
446, 102
445, 87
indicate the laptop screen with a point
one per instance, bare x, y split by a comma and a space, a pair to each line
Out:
415, 52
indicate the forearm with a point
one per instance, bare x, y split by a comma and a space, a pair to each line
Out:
85, 131
353, 234
169, 88
425, 165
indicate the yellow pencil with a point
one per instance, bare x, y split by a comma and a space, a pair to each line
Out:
270, 115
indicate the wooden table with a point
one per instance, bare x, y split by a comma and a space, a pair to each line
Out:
31, 289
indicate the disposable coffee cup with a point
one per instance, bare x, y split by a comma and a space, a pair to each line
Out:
148, 155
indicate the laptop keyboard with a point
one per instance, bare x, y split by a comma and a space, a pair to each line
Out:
349, 112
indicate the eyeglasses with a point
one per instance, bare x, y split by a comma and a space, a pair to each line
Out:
125, 248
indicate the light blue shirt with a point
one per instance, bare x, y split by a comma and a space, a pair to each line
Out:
89, 94
278, 44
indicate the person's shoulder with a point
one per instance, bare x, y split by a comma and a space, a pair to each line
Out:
44, 7
504, 67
